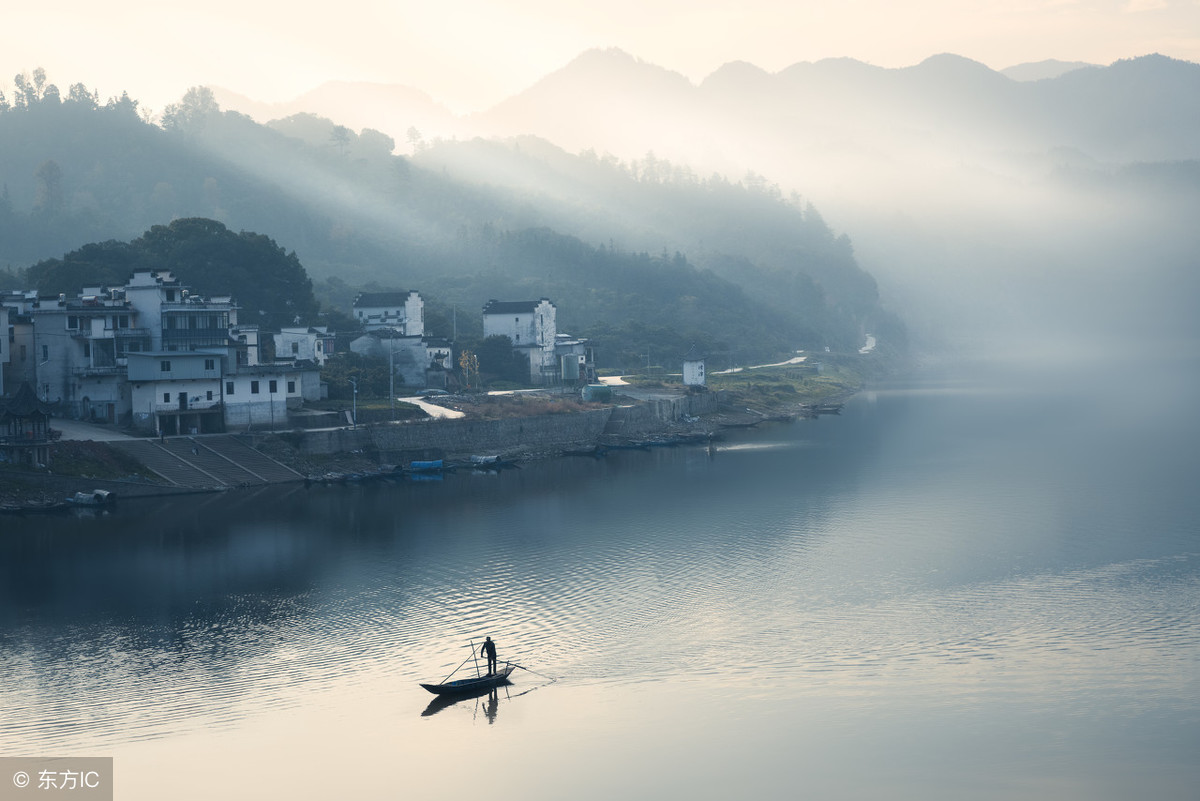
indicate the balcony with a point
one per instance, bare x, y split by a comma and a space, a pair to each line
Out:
98, 370
192, 406
194, 336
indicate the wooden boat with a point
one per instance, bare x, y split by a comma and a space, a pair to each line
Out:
475, 685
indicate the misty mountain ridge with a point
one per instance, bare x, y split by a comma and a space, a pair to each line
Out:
358, 216
608, 100
1041, 70
391, 108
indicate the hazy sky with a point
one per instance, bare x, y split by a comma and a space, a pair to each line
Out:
471, 53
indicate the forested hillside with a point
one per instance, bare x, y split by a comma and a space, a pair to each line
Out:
642, 256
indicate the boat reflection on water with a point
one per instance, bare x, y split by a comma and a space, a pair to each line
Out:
490, 707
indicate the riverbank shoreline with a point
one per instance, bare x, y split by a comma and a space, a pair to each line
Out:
645, 418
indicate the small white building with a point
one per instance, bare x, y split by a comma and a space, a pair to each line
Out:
531, 326
575, 359
693, 369
301, 344
259, 397
402, 310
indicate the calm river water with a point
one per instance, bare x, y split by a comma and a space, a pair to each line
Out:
983, 588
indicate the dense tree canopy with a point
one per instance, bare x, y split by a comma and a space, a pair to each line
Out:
268, 283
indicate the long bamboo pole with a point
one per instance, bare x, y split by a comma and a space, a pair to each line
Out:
475, 655
459, 668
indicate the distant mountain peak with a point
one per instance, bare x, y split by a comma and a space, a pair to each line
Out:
611, 61
736, 74
947, 62
1043, 70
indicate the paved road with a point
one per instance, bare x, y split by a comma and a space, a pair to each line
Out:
75, 429
433, 410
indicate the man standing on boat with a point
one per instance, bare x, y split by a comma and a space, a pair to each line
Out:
489, 650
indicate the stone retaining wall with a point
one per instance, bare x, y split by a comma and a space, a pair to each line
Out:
651, 416
458, 438
462, 438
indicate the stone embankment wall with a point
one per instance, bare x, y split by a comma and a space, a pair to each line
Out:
506, 436
462, 438
458, 439
651, 416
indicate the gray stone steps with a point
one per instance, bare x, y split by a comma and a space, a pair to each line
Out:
208, 461
166, 464
261, 465
223, 471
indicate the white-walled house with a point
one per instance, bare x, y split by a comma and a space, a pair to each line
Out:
152, 354
177, 392
402, 310
311, 344
80, 349
259, 397
531, 325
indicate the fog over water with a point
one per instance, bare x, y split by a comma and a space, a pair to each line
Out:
981, 583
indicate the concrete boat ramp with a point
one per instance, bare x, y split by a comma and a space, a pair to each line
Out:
213, 460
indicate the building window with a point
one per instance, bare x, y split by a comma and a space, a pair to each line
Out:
253, 387
228, 387
209, 395
273, 386
164, 366
210, 364
295, 348
291, 387
72, 322
170, 296
121, 321
87, 350
45, 353
166, 397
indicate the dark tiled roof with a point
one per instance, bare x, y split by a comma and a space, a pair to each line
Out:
372, 299
513, 306
24, 403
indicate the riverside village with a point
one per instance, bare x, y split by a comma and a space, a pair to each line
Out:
150, 388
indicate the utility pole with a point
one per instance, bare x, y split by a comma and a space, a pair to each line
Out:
354, 406
392, 381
